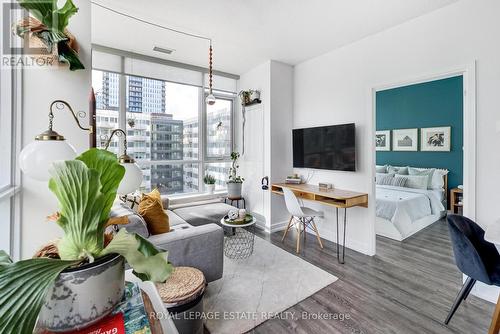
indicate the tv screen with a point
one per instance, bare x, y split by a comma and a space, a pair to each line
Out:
325, 147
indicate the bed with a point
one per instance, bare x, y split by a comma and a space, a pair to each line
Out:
403, 211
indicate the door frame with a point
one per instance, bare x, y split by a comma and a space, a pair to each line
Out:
468, 72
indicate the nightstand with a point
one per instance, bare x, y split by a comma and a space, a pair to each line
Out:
456, 200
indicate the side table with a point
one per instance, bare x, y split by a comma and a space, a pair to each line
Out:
239, 244
237, 200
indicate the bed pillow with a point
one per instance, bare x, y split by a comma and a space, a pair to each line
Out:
438, 179
399, 181
384, 179
427, 172
381, 169
416, 181
397, 170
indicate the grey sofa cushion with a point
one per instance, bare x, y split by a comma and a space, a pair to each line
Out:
136, 223
204, 214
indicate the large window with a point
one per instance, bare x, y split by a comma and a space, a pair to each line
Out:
171, 133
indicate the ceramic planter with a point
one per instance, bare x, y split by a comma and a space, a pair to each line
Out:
210, 188
84, 295
233, 190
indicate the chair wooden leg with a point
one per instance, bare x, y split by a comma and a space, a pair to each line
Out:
287, 228
317, 234
495, 321
298, 238
466, 287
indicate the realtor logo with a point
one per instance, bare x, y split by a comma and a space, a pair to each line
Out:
20, 47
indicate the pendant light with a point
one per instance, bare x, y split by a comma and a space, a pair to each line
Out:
210, 100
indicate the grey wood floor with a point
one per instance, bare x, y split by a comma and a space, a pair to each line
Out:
408, 287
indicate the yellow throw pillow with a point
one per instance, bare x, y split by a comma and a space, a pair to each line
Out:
151, 209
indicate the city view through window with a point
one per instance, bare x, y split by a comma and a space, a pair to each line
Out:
163, 122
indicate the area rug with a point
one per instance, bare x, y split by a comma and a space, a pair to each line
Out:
254, 289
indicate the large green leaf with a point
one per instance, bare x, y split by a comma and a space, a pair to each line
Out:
148, 263
81, 202
23, 286
68, 55
63, 14
47, 12
111, 174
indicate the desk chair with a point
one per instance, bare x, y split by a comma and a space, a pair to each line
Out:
474, 256
301, 217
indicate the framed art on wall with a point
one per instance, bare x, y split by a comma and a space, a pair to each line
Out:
435, 139
405, 140
383, 140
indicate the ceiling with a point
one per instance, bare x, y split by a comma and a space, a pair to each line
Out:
246, 33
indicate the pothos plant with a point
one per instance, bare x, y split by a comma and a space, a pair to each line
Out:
49, 24
233, 171
86, 189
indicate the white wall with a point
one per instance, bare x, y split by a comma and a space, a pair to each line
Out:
40, 88
336, 88
267, 139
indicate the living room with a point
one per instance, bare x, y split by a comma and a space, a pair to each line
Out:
215, 165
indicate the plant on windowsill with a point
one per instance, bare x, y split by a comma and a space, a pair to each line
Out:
235, 181
209, 181
83, 280
47, 29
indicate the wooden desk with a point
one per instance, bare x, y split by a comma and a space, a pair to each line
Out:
337, 198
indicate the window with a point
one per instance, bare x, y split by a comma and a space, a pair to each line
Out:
171, 133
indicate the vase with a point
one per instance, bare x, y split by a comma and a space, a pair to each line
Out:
233, 190
210, 188
84, 295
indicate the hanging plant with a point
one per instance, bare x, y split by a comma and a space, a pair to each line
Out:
47, 27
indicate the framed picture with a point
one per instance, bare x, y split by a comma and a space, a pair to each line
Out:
435, 139
405, 140
383, 140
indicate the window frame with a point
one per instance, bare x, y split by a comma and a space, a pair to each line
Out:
203, 158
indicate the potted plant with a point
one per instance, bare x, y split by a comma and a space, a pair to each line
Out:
47, 29
235, 181
209, 181
245, 97
84, 279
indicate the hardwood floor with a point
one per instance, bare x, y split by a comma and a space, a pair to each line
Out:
408, 287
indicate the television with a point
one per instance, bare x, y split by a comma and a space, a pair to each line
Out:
325, 147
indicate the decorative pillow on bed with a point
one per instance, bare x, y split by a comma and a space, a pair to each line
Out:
438, 179
427, 172
397, 170
416, 181
399, 181
381, 169
384, 179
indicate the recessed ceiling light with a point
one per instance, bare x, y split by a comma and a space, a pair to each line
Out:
163, 50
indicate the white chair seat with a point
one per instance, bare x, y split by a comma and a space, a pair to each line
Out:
308, 212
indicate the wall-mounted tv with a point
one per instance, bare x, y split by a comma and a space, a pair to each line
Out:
325, 147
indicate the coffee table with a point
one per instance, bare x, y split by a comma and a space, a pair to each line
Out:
239, 244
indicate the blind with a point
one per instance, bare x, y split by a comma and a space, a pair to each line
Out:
106, 61
162, 72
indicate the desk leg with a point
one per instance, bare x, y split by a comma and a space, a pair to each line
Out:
343, 242
495, 321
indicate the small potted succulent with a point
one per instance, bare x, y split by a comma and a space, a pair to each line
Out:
78, 280
209, 181
235, 181
245, 96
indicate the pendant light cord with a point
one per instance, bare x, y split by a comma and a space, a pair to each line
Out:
151, 23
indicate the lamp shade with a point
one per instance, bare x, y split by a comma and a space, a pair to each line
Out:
37, 158
131, 180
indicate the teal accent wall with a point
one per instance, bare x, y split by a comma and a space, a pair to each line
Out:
430, 104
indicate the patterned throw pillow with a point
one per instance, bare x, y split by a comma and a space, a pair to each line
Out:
399, 181
384, 179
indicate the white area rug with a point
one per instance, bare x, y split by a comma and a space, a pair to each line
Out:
251, 290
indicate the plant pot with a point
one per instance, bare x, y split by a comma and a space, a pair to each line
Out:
210, 188
233, 190
84, 295
255, 95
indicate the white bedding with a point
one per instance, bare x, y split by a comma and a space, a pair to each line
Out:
391, 201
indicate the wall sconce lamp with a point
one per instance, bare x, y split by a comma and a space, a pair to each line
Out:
49, 146
133, 175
